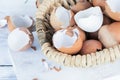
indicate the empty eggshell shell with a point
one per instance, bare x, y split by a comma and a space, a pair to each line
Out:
68, 41
61, 18
112, 9
3, 22
82, 33
89, 20
100, 3
90, 46
114, 30
80, 5
107, 36
19, 40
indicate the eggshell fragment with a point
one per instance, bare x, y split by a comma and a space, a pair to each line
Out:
20, 39
18, 21
3, 22
80, 5
100, 3
90, 46
61, 18
68, 41
109, 34
89, 20
112, 9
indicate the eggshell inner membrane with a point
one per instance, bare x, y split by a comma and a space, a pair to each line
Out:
17, 39
114, 5
63, 15
90, 20
3, 22
60, 39
22, 21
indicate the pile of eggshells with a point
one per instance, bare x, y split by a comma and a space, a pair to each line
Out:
87, 27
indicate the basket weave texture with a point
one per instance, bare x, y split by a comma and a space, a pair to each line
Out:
45, 33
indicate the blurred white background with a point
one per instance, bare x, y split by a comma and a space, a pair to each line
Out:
11, 7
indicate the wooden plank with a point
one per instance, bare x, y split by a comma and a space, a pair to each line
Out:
4, 56
7, 73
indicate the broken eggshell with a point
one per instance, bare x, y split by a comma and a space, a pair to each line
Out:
68, 41
19, 21
109, 34
112, 9
20, 39
100, 3
61, 18
80, 5
89, 20
3, 22
90, 46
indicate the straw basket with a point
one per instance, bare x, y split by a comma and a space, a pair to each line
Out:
45, 33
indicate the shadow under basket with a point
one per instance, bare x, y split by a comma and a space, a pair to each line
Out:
45, 33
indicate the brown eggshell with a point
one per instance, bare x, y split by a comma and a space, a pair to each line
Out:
31, 39
90, 46
53, 20
74, 49
100, 3
76, 46
56, 24
81, 5
106, 37
72, 21
114, 30
112, 14
11, 26
82, 33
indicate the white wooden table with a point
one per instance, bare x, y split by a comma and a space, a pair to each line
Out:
6, 69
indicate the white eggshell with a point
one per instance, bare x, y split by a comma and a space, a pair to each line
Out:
3, 22
90, 20
22, 21
114, 5
17, 39
60, 39
63, 15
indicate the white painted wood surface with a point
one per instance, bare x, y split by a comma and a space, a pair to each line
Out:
6, 69
7, 73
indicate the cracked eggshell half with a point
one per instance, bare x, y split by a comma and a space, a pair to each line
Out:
100, 3
112, 9
68, 41
3, 22
19, 40
90, 46
81, 5
109, 34
89, 20
61, 18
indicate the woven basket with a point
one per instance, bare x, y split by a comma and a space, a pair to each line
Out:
45, 33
